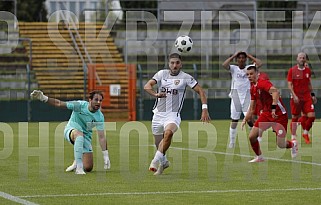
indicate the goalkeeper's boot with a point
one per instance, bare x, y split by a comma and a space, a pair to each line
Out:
71, 167
80, 170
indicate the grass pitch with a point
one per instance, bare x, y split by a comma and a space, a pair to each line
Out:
203, 169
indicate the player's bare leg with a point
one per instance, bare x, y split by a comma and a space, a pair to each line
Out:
163, 146
282, 142
154, 164
88, 161
158, 139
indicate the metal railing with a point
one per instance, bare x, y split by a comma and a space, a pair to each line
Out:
28, 70
84, 64
67, 22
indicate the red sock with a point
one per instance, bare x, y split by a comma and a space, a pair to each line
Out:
256, 147
309, 122
294, 126
289, 144
303, 120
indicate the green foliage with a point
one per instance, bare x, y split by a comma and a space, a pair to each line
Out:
30, 11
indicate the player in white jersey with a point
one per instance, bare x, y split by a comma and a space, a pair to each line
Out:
240, 90
170, 96
85, 115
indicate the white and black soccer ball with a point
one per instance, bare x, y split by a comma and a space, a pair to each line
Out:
184, 44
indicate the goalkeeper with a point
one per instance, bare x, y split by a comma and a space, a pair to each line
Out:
85, 115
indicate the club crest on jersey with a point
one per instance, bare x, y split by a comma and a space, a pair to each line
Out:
176, 82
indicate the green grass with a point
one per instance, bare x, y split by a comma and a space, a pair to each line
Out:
203, 169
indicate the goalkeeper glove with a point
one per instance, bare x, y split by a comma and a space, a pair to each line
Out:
38, 95
106, 160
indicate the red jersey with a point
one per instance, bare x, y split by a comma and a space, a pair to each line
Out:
260, 92
301, 80
259, 106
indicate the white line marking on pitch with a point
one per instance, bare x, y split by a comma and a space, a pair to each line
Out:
15, 199
245, 156
171, 192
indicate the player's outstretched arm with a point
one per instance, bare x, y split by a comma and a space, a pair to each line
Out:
205, 117
38, 95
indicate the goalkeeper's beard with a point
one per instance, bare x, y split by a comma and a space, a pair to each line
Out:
96, 107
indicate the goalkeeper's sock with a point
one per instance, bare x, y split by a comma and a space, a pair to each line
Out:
78, 150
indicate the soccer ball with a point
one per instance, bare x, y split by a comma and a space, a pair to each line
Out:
184, 44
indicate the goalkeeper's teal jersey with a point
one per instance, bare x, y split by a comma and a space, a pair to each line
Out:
84, 120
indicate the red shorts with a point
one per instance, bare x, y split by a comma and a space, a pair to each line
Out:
304, 106
279, 124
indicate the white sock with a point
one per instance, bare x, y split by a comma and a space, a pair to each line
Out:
232, 135
293, 137
305, 132
158, 156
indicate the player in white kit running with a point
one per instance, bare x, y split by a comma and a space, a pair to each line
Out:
171, 84
240, 90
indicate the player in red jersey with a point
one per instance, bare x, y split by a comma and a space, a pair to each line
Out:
258, 105
273, 114
302, 97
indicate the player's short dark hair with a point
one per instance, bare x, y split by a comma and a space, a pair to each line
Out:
175, 55
252, 67
94, 92
241, 53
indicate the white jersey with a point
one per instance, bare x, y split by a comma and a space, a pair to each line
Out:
240, 82
175, 88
